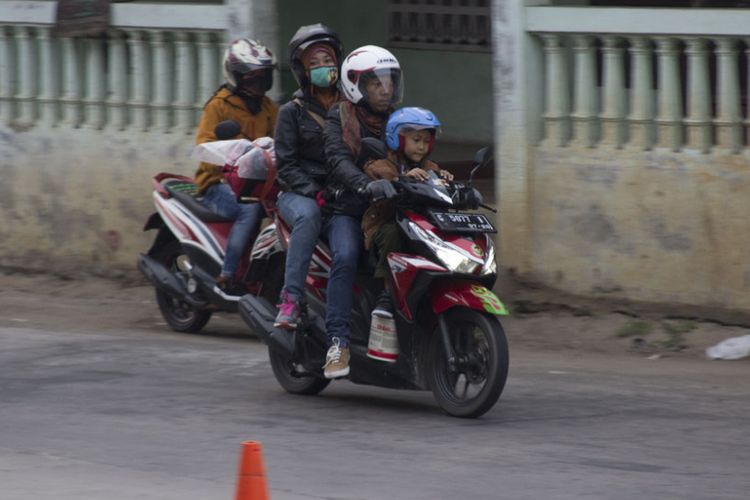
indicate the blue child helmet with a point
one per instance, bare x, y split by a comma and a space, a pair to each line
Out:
411, 118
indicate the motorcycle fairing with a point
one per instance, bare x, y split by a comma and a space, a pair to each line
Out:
466, 294
189, 230
473, 246
404, 270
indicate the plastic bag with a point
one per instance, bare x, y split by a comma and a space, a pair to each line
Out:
221, 152
245, 163
732, 348
254, 162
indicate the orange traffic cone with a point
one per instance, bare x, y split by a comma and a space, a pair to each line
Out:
251, 480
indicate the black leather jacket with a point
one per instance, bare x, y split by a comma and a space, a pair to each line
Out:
345, 175
300, 152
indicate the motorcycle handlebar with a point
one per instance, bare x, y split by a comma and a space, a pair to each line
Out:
467, 195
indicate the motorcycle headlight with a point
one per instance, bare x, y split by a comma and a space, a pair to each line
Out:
451, 256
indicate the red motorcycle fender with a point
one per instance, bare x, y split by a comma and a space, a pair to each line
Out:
466, 294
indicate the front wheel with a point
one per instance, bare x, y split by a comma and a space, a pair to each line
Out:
473, 382
293, 382
179, 315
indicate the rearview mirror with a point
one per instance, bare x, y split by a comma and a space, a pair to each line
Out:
481, 158
374, 148
228, 129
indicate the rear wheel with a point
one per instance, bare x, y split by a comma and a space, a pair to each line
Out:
289, 378
179, 315
472, 384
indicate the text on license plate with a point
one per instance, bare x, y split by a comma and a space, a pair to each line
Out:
463, 222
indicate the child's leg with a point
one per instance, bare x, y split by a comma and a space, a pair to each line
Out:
385, 240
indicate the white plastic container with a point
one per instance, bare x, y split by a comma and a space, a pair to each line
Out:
383, 344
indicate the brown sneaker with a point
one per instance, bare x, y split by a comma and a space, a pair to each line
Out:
337, 361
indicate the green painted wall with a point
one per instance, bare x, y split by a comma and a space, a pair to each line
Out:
457, 86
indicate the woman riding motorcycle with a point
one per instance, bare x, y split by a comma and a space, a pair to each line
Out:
315, 59
248, 74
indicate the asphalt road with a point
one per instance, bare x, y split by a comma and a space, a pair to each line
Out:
132, 414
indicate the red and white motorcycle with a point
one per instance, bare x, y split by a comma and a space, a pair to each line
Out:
446, 334
188, 250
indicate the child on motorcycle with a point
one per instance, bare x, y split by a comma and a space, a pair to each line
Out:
248, 73
410, 134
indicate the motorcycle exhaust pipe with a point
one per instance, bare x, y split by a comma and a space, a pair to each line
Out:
259, 315
166, 281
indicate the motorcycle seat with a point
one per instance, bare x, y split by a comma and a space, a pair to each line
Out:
191, 203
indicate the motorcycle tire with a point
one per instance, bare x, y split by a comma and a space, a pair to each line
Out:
292, 382
481, 347
179, 315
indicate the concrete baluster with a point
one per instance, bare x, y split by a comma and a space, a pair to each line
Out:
698, 121
72, 84
729, 120
7, 72
26, 89
220, 47
118, 82
584, 102
139, 74
642, 109
557, 91
162, 81
185, 79
747, 60
669, 118
49, 82
208, 63
95, 83
613, 112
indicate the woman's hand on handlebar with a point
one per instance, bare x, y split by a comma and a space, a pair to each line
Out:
379, 189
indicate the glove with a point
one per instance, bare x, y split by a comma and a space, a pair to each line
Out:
377, 190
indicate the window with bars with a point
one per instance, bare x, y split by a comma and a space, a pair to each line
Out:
439, 24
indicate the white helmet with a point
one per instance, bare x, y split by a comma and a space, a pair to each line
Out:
367, 62
243, 56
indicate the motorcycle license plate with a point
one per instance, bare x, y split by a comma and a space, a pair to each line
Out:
463, 223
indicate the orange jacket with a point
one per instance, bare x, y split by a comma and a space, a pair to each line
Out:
225, 105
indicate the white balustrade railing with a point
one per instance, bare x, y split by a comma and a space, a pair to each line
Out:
645, 78
153, 70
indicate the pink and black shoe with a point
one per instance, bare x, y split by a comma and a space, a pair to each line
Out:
289, 312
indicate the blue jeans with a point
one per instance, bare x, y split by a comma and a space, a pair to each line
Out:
344, 235
221, 200
303, 215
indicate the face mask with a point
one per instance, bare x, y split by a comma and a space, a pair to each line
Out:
324, 76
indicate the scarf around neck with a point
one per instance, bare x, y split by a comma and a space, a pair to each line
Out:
352, 116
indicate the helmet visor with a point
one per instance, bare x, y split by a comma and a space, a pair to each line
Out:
382, 88
256, 82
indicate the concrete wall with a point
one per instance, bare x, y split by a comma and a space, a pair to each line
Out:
641, 222
650, 226
75, 200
